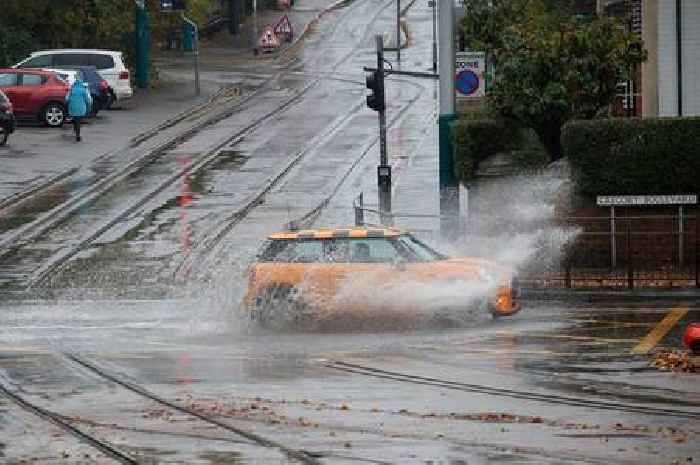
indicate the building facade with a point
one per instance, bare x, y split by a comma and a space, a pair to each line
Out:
671, 76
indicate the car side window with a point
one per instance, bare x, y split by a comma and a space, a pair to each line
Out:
69, 59
372, 250
101, 61
336, 250
32, 79
310, 251
8, 79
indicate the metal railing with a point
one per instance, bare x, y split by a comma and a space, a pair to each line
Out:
649, 251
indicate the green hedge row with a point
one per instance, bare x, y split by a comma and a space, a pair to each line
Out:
474, 140
634, 156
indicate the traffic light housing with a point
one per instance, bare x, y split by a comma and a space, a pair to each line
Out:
375, 83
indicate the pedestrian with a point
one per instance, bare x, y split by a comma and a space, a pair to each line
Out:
79, 103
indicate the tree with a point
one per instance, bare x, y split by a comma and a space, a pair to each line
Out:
550, 67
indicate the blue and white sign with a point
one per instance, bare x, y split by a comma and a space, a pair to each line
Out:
470, 68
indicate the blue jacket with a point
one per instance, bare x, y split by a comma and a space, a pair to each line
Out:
79, 99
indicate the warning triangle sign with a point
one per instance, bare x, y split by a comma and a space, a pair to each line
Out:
268, 38
284, 28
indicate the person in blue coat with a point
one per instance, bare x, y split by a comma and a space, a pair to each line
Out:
79, 103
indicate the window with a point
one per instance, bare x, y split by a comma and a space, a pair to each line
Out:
293, 251
32, 79
101, 61
42, 61
8, 79
69, 59
372, 250
417, 251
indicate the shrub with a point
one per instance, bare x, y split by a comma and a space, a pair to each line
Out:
475, 140
634, 156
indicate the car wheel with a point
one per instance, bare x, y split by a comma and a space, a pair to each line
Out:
4, 134
53, 115
273, 306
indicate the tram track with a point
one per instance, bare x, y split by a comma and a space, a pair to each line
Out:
67, 423
31, 232
502, 392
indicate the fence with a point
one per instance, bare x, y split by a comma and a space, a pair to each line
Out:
625, 252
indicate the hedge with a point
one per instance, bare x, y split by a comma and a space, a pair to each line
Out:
634, 156
475, 140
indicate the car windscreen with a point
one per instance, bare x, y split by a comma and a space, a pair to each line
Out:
41, 61
418, 250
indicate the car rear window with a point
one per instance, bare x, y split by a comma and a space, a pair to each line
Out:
101, 61
8, 79
70, 59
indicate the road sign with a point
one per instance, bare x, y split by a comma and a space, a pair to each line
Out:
283, 28
640, 200
268, 39
470, 69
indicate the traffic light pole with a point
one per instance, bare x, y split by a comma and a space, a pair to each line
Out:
142, 44
384, 169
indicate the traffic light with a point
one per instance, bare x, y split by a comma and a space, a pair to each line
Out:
375, 83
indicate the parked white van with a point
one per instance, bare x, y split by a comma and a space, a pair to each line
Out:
110, 65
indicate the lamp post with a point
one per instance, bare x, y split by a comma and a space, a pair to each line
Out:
449, 186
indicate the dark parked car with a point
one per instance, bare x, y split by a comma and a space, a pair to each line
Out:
100, 91
7, 118
35, 94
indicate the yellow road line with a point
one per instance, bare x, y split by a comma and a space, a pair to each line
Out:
660, 330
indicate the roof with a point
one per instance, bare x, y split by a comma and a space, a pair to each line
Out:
75, 50
328, 233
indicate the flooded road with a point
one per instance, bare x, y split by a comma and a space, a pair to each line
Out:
136, 339
555, 384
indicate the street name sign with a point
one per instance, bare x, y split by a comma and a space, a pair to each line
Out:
470, 68
643, 200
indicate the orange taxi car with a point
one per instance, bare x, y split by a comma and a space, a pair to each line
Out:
314, 274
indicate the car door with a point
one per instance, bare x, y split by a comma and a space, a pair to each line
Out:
359, 268
30, 92
10, 86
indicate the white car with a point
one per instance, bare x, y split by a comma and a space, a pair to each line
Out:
110, 65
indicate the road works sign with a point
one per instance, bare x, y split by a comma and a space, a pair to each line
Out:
642, 200
470, 70
268, 39
283, 28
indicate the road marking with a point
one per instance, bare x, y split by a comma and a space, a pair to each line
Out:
649, 341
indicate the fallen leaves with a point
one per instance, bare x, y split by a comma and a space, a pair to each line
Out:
674, 360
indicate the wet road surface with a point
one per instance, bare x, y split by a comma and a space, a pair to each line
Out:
153, 300
388, 397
